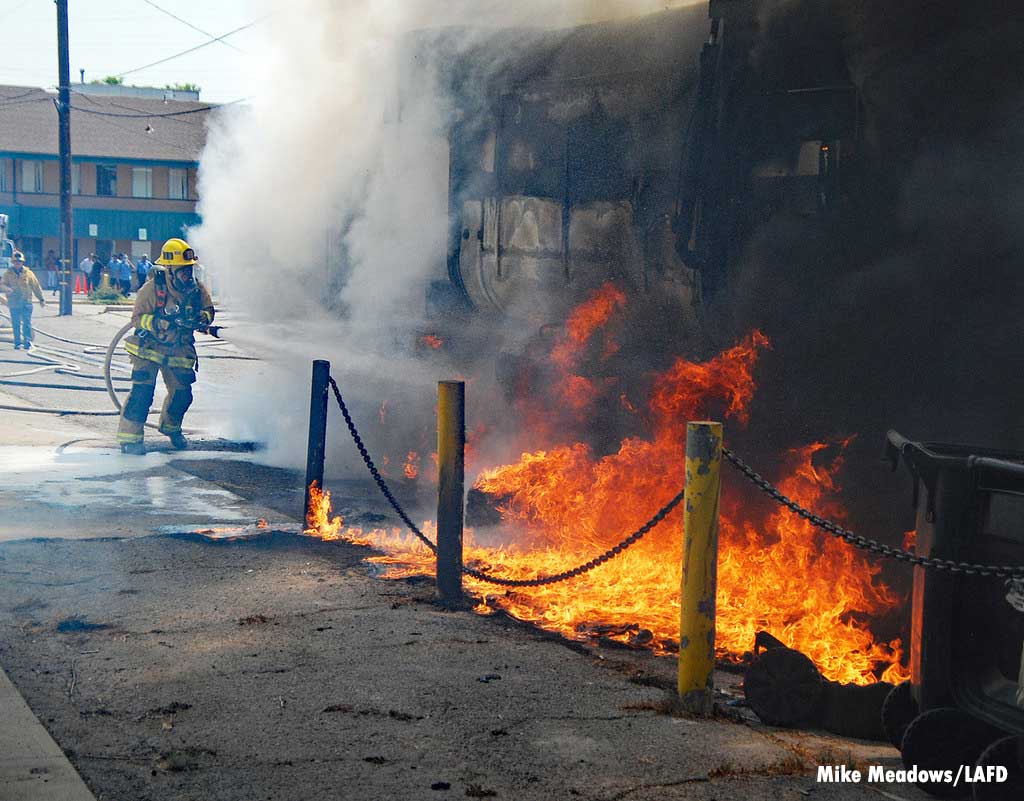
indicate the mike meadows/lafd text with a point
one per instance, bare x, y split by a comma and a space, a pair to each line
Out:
979, 774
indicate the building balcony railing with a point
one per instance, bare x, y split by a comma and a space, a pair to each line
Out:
75, 195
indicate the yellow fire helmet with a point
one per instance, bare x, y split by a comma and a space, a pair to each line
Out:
176, 253
18, 256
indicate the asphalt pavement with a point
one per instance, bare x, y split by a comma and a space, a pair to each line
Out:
174, 647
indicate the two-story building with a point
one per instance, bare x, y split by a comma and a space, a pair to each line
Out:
134, 161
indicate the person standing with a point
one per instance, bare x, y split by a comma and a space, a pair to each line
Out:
125, 275
96, 275
142, 269
19, 284
114, 270
52, 267
169, 309
85, 267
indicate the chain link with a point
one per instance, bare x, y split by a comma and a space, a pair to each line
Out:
873, 546
966, 568
381, 483
579, 570
539, 581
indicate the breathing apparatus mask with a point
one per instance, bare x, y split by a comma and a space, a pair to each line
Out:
183, 278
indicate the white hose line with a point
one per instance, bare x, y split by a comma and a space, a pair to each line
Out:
107, 362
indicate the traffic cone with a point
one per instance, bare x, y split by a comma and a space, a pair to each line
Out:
80, 284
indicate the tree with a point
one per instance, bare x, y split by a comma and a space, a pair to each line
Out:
183, 87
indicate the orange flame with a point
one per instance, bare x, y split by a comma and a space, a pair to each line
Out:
432, 341
590, 316
565, 505
412, 465
319, 522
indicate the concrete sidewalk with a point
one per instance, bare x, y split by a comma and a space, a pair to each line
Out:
32, 766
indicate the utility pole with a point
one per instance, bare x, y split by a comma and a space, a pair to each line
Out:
64, 122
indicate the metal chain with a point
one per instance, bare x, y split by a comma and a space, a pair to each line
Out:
579, 570
539, 581
384, 488
967, 568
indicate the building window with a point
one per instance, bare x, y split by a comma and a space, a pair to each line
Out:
177, 184
76, 179
31, 176
142, 182
3, 175
106, 179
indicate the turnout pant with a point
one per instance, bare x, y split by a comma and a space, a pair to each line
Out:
178, 381
21, 322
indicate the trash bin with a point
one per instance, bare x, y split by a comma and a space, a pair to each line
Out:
966, 630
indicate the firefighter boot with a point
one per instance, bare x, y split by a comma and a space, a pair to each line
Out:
178, 440
134, 448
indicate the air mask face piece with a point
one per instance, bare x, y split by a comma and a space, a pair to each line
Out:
183, 278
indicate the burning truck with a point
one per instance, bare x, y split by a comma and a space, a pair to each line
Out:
602, 181
612, 152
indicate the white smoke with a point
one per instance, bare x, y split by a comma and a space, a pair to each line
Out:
337, 166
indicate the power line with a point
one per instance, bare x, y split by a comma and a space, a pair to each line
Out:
141, 116
190, 25
144, 115
5, 104
149, 135
31, 91
192, 49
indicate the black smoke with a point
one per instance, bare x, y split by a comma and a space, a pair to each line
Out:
905, 311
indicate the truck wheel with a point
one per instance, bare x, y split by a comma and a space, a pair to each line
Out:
944, 739
1008, 753
898, 709
784, 688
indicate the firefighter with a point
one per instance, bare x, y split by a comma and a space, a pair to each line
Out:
169, 309
19, 283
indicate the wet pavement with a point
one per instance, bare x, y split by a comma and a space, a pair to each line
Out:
83, 488
63, 476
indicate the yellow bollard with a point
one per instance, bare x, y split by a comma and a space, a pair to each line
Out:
700, 567
451, 448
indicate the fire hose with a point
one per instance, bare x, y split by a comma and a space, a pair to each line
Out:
50, 356
212, 330
109, 359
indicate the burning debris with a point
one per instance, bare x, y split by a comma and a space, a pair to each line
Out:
784, 688
412, 465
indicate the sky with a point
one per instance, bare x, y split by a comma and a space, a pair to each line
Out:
109, 37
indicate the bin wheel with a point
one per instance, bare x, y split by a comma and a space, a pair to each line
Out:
898, 709
784, 688
1008, 753
944, 739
